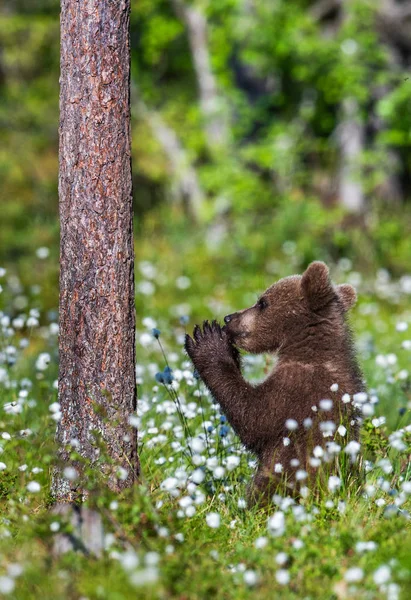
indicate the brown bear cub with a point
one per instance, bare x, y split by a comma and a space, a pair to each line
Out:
299, 405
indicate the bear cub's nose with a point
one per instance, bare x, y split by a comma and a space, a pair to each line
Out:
228, 318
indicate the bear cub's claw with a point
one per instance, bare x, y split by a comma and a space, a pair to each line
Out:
209, 342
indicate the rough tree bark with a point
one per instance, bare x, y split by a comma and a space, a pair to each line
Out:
97, 388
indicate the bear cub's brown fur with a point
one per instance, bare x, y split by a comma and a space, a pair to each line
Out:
303, 320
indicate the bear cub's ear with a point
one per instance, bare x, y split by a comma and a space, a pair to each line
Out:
316, 285
347, 295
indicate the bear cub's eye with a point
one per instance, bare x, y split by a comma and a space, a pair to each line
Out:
262, 303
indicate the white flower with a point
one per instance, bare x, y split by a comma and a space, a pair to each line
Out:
346, 398
333, 448
367, 409
334, 483
349, 46
378, 421
147, 576
261, 542
2, 466
146, 339
365, 546
370, 490
385, 465
291, 424
151, 559
406, 486
352, 448
282, 576
354, 575
149, 322
342, 430
198, 476
170, 485
334, 387
70, 473
185, 501
54, 526
382, 575
318, 452
134, 421
219, 472
147, 269
122, 473
42, 252
6, 585
276, 524
32, 322
232, 462
250, 578
33, 487
392, 359
14, 570
129, 560
401, 326
242, 503
182, 283
281, 558
213, 520
381, 361
18, 322
327, 428
197, 445
43, 361
301, 475
54, 328
326, 404
278, 468
147, 288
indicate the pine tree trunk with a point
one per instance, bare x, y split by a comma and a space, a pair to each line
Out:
97, 388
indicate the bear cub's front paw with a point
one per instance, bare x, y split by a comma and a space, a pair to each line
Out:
210, 344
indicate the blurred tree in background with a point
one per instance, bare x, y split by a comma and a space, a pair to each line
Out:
262, 121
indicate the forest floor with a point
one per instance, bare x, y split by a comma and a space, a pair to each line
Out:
185, 532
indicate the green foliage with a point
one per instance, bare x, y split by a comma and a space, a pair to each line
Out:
271, 206
282, 77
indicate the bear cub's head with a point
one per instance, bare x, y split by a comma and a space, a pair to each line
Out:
291, 310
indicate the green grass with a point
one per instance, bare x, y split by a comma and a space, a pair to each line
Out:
159, 543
